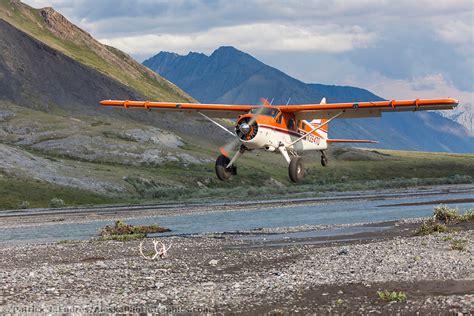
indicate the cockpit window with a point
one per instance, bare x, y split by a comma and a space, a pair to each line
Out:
265, 111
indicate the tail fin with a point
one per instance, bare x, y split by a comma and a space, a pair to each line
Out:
323, 131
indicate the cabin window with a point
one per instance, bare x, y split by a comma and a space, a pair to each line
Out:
291, 124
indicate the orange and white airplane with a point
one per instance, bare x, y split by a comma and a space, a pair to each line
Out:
287, 129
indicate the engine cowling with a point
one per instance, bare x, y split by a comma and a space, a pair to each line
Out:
245, 129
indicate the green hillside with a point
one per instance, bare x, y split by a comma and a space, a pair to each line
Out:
260, 176
57, 32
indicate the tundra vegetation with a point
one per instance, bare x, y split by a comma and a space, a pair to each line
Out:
121, 231
459, 244
24, 205
56, 203
260, 175
393, 296
443, 216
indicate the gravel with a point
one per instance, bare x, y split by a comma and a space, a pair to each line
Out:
232, 274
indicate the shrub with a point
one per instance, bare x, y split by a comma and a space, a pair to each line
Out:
431, 226
445, 213
468, 216
459, 244
122, 232
24, 205
56, 203
394, 296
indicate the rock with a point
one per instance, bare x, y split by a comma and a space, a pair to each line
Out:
343, 252
101, 264
5, 115
213, 262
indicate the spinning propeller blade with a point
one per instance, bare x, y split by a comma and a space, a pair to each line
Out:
229, 147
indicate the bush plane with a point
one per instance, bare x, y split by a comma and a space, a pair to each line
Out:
286, 129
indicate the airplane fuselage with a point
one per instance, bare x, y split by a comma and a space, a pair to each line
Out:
273, 131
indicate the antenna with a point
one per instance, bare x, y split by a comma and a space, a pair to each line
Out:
271, 102
288, 102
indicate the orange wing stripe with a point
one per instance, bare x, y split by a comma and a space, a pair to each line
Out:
418, 103
178, 106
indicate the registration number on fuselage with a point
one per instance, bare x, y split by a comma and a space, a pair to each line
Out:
313, 138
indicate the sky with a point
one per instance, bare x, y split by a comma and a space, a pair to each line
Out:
397, 49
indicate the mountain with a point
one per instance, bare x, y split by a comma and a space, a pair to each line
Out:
51, 28
464, 115
231, 76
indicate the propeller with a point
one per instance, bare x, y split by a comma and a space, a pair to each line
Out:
246, 129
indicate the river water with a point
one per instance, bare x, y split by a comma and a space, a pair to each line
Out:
333, 212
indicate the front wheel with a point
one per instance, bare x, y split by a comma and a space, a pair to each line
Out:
296, 169
222, 172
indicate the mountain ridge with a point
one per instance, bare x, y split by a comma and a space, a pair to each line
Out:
53, 29
235, 73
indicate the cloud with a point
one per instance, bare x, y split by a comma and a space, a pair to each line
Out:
456, 31
427, 83
252, 38
425, 87
400, 40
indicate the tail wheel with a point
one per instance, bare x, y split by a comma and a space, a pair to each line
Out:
222, 172
324, 161
296, 169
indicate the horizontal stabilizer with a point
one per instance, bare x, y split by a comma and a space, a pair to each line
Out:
352, 141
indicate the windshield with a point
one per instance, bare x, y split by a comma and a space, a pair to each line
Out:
265, 111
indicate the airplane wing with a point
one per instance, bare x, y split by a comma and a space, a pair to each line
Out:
211, 110
303, 111
366, 109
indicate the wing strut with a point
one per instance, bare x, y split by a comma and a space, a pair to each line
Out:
220, 125
315, 129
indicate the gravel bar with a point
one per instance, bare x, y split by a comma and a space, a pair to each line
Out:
222, 274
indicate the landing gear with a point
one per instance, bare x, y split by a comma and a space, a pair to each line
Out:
222, 172
296, 169
324, 159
